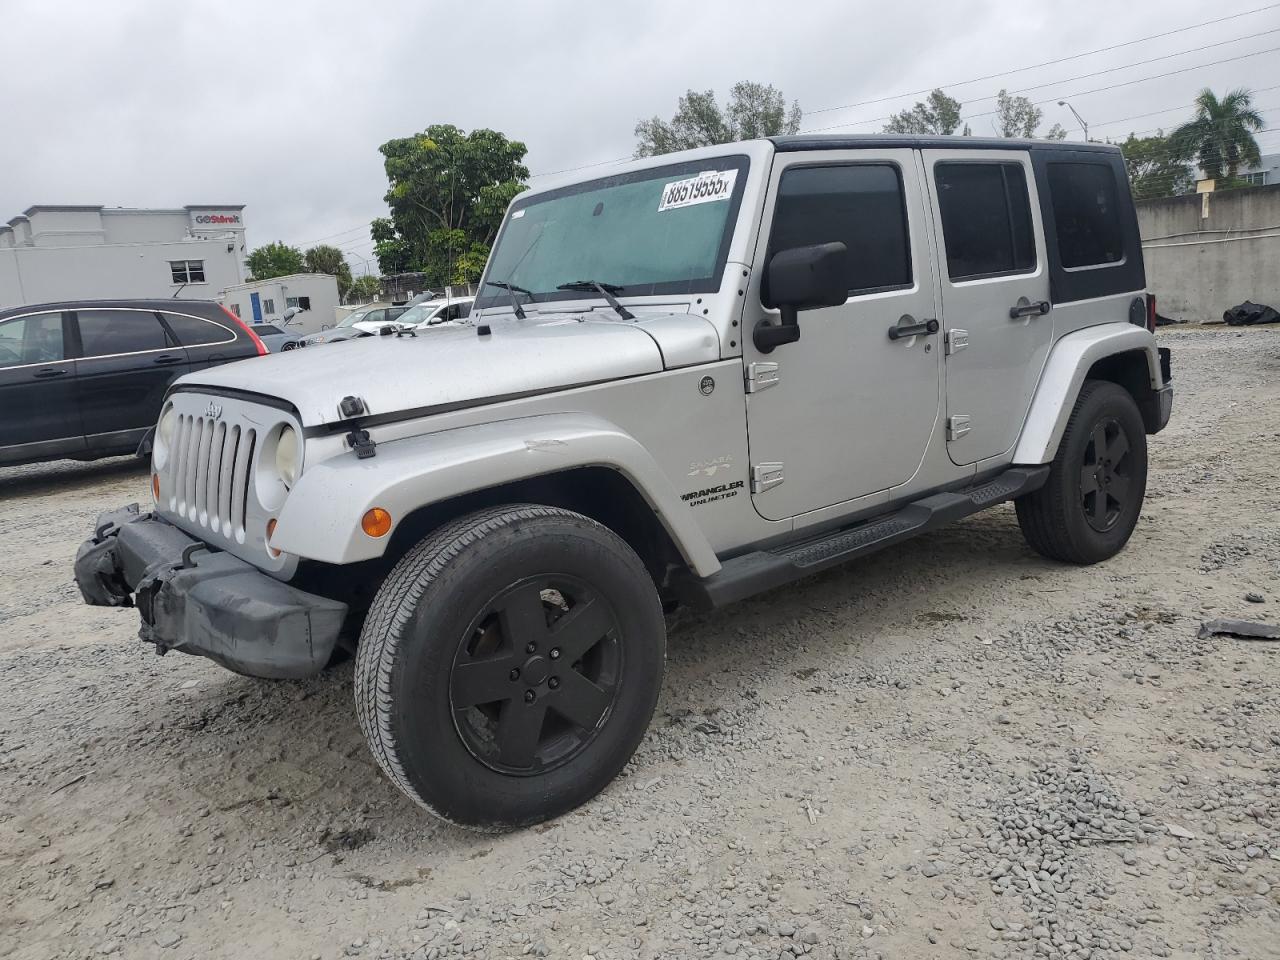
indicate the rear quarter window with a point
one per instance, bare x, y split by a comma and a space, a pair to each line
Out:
194, 332
1086, 213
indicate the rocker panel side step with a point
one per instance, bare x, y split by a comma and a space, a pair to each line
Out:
763, 570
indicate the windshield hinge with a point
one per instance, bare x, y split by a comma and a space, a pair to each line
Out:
957, 340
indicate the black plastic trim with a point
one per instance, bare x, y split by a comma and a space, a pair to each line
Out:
760, 570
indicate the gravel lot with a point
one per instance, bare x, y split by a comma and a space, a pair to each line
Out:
952, 749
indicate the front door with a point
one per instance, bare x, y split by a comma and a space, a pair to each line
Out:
39, 416
849, 408
995, 294
127, 363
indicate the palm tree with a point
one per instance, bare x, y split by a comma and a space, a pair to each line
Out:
1220, 135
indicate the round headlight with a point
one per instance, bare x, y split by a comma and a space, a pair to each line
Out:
287, 455
164, 429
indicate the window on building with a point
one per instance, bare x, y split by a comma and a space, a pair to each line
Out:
1255, 179
1086, 214
187, 271
860, 205
33, 339
986, 219
235, 308
268, 305
104, 333
302, 303
194, 332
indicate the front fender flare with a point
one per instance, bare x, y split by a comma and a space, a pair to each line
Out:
321, 518
1064, 374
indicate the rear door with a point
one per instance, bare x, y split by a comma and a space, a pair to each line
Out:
995, 294
127, 361
207, 342
39, 416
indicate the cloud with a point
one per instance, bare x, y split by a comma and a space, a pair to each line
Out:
282, 105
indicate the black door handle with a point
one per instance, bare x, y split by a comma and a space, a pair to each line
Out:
166, 358
49, 374
1037, 309
901, 331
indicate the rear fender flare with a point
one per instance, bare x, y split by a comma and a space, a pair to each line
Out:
1064, 374
321, 517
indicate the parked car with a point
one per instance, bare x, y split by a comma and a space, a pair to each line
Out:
703, 376
274, 338
86, 379
359, 323
432, 313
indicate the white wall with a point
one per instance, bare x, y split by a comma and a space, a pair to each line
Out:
43, 274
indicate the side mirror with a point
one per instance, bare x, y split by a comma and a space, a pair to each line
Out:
802, 278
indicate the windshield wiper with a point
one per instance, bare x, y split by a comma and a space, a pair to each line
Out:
606, 290
512, 290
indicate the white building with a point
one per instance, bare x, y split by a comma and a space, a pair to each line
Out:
1265, 173
52, 253
265, 301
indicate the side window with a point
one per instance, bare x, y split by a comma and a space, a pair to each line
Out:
464, 311
986, 219
1086, 214
194, 332
33, 339
104, 333
860, 205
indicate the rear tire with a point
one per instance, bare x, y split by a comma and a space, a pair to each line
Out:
1088, 507
509, 665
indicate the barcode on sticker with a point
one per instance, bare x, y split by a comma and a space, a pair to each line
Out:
706, 187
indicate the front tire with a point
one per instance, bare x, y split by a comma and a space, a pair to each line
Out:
1088, 507
509, 665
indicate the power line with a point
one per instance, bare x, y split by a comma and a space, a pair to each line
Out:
1080, 93
1048, 63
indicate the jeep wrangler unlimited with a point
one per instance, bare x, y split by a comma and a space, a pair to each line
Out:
699, 377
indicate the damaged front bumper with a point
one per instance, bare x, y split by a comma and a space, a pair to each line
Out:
205, 602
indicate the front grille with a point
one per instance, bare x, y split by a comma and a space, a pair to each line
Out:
211, 473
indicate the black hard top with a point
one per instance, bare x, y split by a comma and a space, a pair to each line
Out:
204, 307
867, 141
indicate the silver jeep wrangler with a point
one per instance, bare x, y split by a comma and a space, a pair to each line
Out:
701, 376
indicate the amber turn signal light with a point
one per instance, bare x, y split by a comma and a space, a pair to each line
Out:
376, 522
155, 486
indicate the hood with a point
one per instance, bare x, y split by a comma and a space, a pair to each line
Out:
449, 365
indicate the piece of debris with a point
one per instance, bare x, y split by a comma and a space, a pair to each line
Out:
1249, 314
1244, 629
1181, 833
70, 783
1254, 597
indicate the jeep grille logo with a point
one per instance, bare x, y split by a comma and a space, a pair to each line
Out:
213, 411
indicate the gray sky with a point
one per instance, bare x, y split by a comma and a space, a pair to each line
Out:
281, 105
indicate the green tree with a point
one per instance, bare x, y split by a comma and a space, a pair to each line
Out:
753, 110
1019, 117
938, 114
275, 260
364, 289
448, 193
1220, 134
327, 259
1155, 167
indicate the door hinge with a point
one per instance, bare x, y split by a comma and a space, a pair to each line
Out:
764, 476
957, 340
957, 426
761, 375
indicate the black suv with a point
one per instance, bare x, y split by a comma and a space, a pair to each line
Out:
85, 379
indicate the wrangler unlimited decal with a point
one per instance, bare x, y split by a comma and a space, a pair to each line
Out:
697, 498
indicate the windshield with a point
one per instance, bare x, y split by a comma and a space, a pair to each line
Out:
351, 319
659, 231
420, 313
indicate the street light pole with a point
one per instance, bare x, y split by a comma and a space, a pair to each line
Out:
1079, 119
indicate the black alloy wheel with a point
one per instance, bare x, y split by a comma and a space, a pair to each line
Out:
536, 675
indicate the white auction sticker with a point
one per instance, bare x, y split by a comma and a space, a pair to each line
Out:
706, 187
